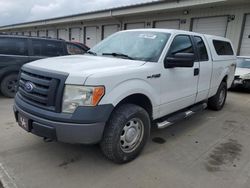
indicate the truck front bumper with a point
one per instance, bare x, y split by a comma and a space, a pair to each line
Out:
69, 129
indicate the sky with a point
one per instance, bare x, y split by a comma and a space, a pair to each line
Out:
18, 11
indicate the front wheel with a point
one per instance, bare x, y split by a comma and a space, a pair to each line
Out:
9, 85
217, 102
126, 133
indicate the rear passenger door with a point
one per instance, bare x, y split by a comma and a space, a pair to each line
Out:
205, 70
179, 84
41, 48
14, 52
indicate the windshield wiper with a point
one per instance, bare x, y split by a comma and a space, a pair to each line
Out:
92, 53
119, 55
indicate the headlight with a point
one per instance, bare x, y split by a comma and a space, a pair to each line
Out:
245, 76
75, 96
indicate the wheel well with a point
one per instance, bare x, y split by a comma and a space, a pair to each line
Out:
8, 73
140, 100
225, 79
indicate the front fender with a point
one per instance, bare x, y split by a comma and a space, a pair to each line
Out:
130, 87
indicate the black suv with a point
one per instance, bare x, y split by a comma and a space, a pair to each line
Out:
18, 50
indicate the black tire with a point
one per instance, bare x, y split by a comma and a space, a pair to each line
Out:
8, 85
112, 144
217, 102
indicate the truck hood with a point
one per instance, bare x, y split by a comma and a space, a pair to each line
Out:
241, 71
80, 67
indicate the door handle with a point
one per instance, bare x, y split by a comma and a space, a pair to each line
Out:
196, 71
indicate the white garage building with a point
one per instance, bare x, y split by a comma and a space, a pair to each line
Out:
228, 18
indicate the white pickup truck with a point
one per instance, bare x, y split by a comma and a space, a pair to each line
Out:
126, 84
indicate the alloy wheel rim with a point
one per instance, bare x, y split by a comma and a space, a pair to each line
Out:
11, 86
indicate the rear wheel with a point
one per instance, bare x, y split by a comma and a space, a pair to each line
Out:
9, 85
126, 133
217, 102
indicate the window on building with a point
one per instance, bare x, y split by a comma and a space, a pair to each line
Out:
223, 47
13, 46
202, 50
47, 48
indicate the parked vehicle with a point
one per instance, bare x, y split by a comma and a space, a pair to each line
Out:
126, 84
15, 51
242, 74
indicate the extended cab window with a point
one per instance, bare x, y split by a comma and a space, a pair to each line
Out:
13, 46
47, 48
223, 47
181, 44
202, 50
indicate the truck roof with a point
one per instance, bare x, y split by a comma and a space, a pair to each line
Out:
174, 31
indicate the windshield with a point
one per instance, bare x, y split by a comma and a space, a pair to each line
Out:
243, 63
137, 45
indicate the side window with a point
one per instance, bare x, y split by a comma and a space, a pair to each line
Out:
181, 44
13, 46
73, 49
223, 47
47, 48
202, 50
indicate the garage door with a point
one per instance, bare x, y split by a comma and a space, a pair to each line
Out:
27, 33
245, 43
109, 30
212, 26
52, 34
135, 25
91, 36
33, 33
42, 33
170, 24
76, 34
63, 34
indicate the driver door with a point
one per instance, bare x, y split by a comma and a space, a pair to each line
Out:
179, 84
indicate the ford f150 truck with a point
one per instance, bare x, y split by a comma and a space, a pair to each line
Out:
125, 85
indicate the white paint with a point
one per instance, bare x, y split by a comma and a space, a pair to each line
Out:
211, 25
168, 24
33, 33
91, 36
63, 34
138, 25
42, 33
109, 30
52, 33
245, 44
76, 34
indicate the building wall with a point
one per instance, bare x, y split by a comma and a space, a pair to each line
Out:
233, 32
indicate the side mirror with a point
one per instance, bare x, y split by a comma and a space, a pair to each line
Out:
180, 60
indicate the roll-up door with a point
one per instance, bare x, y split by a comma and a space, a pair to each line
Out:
245, 43
76, 34
168, 24
63, 34
211, 25
138, 25
91, 36
109, 30
42, 33
33, 33
52, 33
